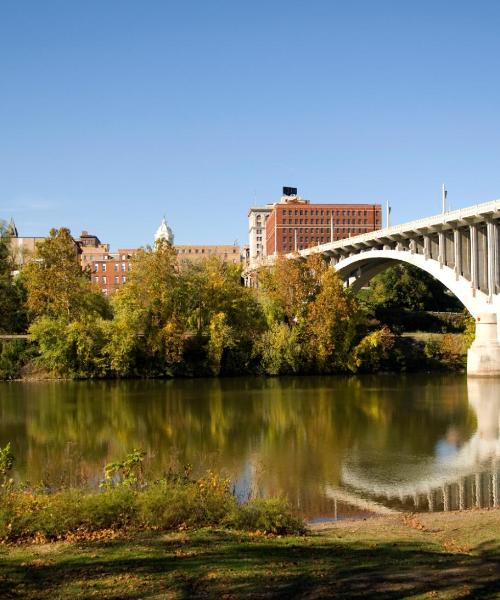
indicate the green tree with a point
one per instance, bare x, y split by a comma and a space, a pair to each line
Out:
13, 318
308, 297
408, 287
148, 333
55, 283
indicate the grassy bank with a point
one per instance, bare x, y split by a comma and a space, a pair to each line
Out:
452, 555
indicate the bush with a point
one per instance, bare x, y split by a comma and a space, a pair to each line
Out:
26, 514
161, 506
14, 354
125, 500
270, 515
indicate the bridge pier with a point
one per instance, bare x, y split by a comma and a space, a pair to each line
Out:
483, 357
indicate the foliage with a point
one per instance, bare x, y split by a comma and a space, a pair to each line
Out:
272, 515
407, 287
14, 354
13, 317
220, 338
55, 284
127, 500
470, 331
448, 351
280, 350
71, 348
6, 464
192, 319
313, 320
334, 321
373, 350
128, 472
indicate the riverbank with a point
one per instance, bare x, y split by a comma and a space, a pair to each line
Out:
445, 555
414, 352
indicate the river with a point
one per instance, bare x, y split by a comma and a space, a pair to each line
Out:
337, 447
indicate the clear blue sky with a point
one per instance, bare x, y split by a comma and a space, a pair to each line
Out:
113, 113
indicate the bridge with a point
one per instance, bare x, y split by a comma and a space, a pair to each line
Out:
460, 248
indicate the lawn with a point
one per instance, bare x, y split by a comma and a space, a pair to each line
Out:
452, 555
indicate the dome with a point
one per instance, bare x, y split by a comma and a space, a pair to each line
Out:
164, 233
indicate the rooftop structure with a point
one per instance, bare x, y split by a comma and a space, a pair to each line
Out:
164, 233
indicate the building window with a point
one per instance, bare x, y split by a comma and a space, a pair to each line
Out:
105, 280
124, 279
124, 267
103, 267
96, 267
117, 279
96, 279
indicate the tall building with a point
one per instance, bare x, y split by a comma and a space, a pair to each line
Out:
257, 218
297, 224
294, 223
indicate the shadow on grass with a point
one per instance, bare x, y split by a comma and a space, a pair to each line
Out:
218, 565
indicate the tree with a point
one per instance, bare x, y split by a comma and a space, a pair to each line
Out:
13, 317
322, 317
148, 332
408, 287
334, 319
55, 284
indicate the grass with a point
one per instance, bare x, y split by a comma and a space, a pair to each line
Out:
447, 555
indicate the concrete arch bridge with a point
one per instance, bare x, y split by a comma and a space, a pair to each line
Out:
460, 248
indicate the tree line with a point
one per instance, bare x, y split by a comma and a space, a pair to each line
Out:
194, 319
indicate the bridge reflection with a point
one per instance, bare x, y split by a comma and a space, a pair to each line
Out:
456, 478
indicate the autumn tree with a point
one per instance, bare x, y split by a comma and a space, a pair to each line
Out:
55, 283
148, 332
68, 313
313, 319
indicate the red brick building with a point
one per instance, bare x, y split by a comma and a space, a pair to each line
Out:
108, 270
295, 224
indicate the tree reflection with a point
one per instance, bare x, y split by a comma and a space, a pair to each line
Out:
287, 435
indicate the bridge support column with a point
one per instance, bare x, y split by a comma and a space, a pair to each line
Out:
483, 357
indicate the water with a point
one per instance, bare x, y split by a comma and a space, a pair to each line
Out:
336, 447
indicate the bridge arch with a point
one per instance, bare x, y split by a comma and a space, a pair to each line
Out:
360, 268
483, 357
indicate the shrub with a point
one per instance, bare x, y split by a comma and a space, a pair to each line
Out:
373, 351
25, 514
271, 515
14, 354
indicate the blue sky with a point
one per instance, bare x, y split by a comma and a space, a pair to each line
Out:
113, 113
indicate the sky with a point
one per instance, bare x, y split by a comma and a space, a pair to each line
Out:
114, 113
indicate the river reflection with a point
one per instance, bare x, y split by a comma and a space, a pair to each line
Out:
335, 446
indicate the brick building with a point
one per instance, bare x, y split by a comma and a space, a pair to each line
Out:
295, 223
108, 270
227, 253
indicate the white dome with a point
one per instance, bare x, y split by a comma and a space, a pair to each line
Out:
164, 233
